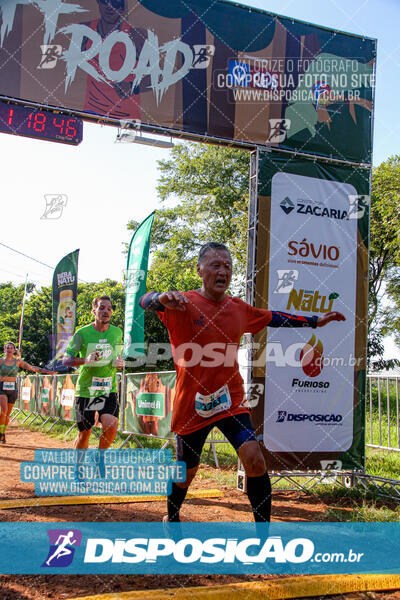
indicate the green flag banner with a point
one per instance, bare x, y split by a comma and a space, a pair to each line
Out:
65, 286
136, 274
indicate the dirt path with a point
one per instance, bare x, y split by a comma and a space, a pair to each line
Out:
234, 506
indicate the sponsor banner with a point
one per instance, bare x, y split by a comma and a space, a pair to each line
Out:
65, 287
224, 71
314, 406
46, 395
149, 402
64, 401
227, 548
314, 261
136, 276
27, 387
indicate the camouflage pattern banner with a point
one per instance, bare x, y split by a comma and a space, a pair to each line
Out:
212, 69
312, 258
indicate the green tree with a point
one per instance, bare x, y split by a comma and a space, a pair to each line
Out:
37, 330
210, 187
384, 259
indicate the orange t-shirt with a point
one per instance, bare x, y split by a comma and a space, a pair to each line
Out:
205, 339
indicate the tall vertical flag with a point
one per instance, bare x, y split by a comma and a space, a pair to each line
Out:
65, 288
136, 275
21, 322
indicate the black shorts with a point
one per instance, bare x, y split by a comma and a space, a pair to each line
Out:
86, 409
238, 429
12, 395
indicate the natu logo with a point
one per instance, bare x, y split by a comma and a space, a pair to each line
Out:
311, 301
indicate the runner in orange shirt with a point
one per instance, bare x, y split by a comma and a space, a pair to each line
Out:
205, 327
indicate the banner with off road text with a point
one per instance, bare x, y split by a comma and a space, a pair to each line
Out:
312, 258
210, 69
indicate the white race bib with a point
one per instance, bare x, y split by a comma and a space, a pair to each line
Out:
101, 384
9, 385
208, 406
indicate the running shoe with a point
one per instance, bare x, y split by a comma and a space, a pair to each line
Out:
2, 438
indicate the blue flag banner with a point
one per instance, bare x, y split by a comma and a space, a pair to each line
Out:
196, 548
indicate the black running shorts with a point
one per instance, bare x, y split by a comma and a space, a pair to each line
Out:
86, 408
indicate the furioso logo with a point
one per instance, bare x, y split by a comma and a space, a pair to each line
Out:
311, 357
62, 547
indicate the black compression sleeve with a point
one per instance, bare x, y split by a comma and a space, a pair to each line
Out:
150, 301
281, 319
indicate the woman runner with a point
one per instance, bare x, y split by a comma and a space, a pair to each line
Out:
9, 366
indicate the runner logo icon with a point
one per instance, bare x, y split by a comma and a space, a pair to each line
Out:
62, 547
281, 416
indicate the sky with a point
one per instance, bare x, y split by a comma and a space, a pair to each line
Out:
106, 184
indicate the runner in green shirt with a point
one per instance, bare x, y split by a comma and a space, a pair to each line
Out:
96, 349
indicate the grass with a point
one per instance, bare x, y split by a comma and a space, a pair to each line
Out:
366, 504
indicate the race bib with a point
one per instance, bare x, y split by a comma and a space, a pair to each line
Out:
101, 384
208, 406
9, 386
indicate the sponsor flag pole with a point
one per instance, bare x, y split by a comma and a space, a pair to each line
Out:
21, 322
64, 291
136, 277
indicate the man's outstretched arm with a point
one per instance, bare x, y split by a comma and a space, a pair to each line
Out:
281, 319
158, 301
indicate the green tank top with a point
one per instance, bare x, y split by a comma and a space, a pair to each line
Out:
8, 370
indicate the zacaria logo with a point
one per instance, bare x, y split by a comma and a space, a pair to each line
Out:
311, 357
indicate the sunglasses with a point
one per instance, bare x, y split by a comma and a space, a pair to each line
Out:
114, 3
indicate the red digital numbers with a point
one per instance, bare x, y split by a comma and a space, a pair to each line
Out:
42, 124
60, 126
70, 130
39, 122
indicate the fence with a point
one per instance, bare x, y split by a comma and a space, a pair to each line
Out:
382, 413
51, 399
146, 401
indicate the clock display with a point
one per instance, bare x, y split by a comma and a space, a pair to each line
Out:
41, 124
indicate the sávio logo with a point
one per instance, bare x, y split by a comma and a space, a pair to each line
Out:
62, 547
311, 357
287, 205
309, 249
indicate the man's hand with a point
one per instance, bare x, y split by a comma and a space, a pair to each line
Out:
118, 362
330, 316
92, 357
173, 300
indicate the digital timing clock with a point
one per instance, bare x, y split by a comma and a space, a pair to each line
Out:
40, 124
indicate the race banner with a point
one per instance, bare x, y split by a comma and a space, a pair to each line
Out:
136, 275
149, 403
312, 258
215, 70
65, 286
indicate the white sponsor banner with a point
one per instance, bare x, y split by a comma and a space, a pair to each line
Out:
67, 397
313, 261
26, 394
